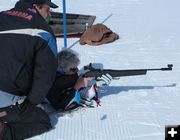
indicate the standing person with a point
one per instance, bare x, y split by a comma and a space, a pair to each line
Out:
28, 64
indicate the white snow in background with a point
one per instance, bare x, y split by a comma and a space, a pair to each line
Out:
132, 108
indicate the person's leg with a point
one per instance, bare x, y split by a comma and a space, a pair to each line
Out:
26, 126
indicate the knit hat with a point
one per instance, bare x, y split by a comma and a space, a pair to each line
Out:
67, 59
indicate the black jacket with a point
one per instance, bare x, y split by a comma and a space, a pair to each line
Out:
28, 53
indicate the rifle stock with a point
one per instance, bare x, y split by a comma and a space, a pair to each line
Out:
93, 72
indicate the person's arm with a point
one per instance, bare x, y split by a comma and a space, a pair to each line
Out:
81, 83
44, 74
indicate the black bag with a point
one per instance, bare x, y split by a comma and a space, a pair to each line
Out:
22, 126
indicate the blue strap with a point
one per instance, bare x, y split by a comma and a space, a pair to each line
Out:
77, 97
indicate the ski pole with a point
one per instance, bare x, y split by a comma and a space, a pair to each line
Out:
64, 23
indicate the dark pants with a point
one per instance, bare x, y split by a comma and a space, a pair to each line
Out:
18, 126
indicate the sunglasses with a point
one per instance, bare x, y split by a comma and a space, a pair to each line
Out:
74, 69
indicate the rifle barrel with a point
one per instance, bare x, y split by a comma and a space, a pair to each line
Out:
169, 67
121, 73
114, 73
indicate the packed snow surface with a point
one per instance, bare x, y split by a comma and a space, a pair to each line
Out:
136, 107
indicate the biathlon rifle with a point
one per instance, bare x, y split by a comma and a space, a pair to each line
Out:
93, 72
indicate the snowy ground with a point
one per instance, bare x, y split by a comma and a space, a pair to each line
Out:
132, 108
